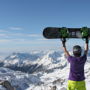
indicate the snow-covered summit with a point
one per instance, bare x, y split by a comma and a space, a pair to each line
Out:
22, 56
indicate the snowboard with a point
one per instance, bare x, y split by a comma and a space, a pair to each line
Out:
56, 33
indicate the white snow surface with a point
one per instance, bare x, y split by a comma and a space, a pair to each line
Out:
38, 70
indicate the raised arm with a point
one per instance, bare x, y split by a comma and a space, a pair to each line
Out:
64, 48
86, 46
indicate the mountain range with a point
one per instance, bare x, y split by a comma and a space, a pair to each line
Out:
38, 70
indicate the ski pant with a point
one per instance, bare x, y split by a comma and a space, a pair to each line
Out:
76, 85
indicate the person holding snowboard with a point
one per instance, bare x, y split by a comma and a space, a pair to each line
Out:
76, 80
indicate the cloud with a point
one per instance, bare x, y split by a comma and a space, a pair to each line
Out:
33, 35
4, 40
23, 41
2, 35
12, 41
15, 28
3, 31
42, 39
25, 35
7, 34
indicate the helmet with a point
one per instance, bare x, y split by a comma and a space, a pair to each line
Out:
77, 51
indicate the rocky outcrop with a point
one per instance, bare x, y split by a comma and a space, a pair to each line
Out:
7, 85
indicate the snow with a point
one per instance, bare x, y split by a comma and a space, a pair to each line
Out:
38, 70
88, 86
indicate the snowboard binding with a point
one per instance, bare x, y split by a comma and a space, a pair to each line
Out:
64, 32
85, 32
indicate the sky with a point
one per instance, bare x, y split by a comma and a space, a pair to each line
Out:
22, 22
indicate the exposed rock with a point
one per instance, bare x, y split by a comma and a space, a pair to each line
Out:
63, 88
7, 85
61, 81
53, 88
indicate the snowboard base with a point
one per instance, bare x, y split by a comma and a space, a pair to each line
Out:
56, 33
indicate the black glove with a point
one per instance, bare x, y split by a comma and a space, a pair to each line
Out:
63, 42
87, 41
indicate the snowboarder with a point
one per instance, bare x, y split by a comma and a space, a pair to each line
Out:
76, 80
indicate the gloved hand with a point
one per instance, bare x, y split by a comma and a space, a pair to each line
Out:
87, 41
63, 42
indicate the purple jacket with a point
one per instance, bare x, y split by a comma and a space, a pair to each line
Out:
77, 68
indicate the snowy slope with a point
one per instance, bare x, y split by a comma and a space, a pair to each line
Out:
38, 70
